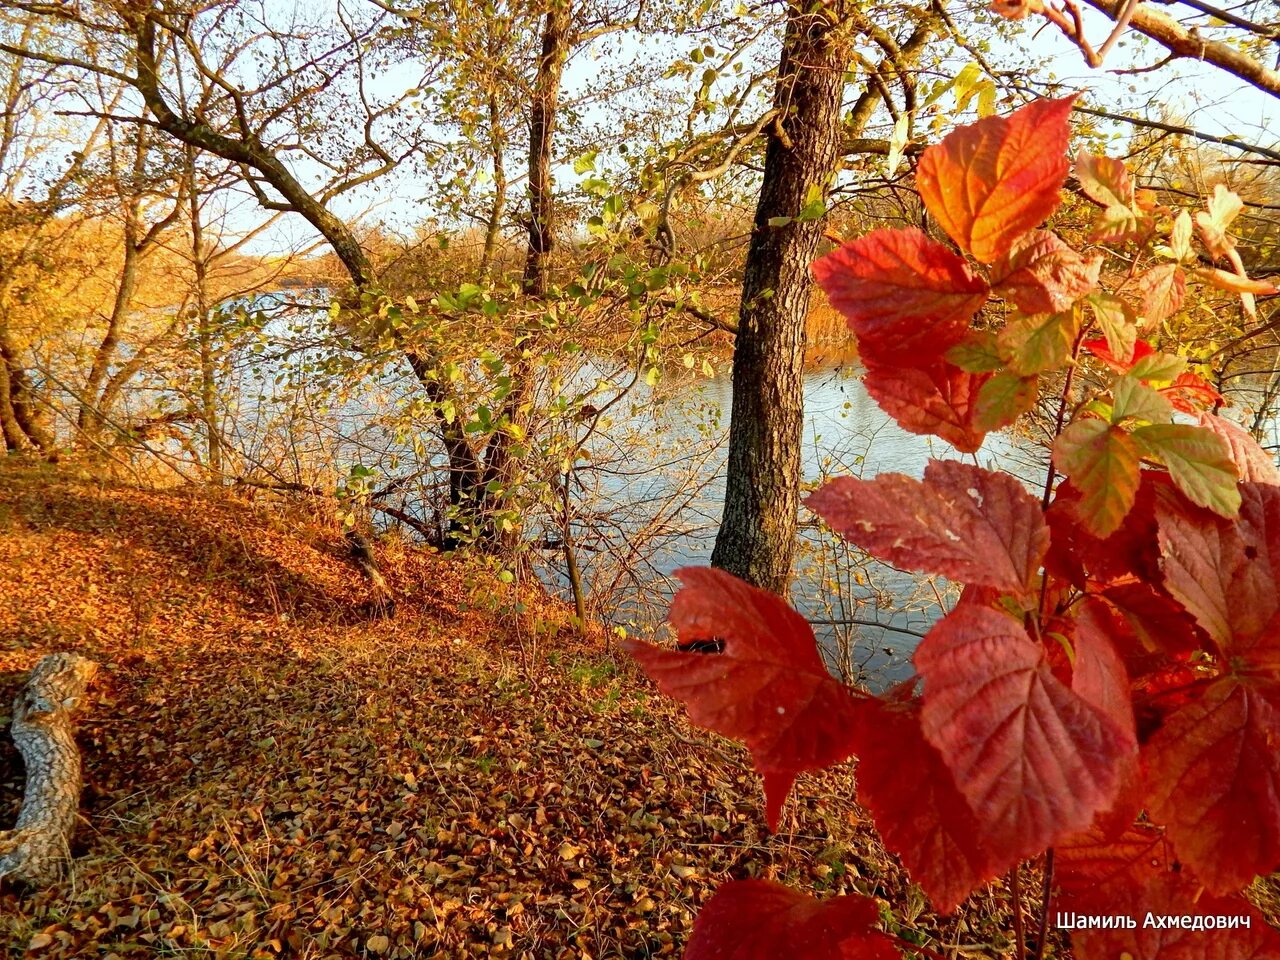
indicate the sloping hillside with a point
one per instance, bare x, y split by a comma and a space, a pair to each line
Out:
271, 773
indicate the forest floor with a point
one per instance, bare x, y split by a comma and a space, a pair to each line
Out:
271, 773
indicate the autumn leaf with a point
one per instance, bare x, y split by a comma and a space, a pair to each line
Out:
1198, 460
1103, 350
1098, 675
1128, 553
1131, 398
917, 808
1158, 623
1252, 462
990, 182
1154, 365
763, 920
1039, 343
961, 521
1191, 393
1098, 857
907, 297
1035, 759
1004, 398
938, 400
978, 352
1120, 224
1222, 209
1103, 463
1161, 291
1180, 236
1042, 274
1104, 180
1226, 573
1236, 283
1115, 319
768, 688
1213, 779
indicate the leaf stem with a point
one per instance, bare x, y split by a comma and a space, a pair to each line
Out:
1057, 429
1044, 904
1015, 894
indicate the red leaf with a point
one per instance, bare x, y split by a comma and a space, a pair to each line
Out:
919, 812
1098, 675
1213, 779
762, 920
1252, 462
1035, 759
1044, 275
1161, 290
1097, 857
908, 298
990, 182
939, 400
1159, 625
1172, 895
1078, 556
1099, 349
1190, 393
769, 687
1225, 572
963, 522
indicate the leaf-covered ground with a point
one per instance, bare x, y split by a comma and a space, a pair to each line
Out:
271, 773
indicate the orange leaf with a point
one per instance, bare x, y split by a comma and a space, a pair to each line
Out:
991, 182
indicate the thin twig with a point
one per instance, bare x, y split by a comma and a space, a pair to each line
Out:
1015, 894
1044, 904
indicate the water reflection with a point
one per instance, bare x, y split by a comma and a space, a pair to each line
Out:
845, 433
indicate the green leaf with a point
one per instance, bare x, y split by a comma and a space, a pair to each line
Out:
651, 378
1199, 462
585, 163
1002, 399
1116, 320
1133, 399
1039, 343
779, 221
1158, 366
1102, 462
977, 353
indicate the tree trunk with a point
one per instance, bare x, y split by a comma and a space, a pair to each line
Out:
756, 540
204, 321
493, 231
21, 422
38, 847
499, 461
11, 434
542, 125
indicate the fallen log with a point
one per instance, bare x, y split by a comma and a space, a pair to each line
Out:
37, 849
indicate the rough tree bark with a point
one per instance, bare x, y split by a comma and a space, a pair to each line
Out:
756, 540
36, 850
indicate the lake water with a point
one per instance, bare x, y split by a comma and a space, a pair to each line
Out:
648, 499
681, 427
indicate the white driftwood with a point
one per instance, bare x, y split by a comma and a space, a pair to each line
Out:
35, 851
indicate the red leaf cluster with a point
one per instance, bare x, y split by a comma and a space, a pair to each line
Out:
1108, 684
